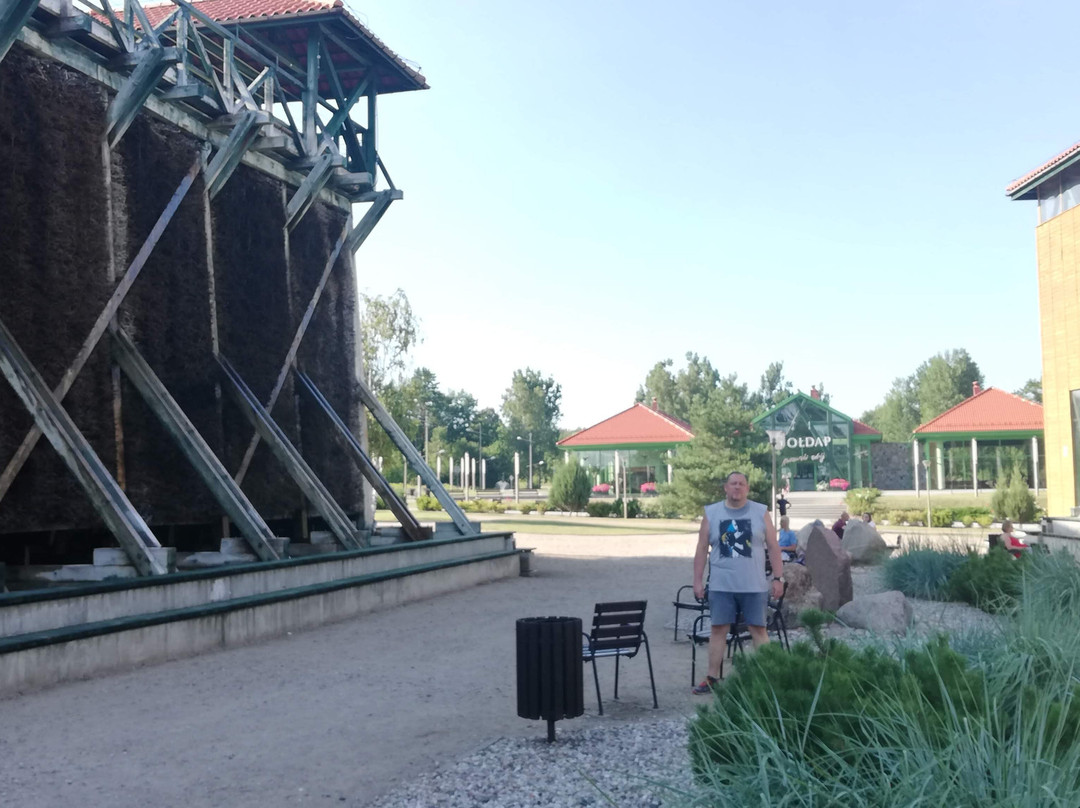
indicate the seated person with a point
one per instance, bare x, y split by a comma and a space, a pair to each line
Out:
840, 524
866, 517
789, 544
1010, 542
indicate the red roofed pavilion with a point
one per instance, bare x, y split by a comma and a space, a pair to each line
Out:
641, 437
990, 431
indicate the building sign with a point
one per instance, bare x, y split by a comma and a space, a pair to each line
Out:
808, 442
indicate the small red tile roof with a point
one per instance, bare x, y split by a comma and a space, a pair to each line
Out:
225, 11
990, 410
639, 424
859, 428
1032, 175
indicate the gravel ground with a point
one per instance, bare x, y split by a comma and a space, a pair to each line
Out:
627, 764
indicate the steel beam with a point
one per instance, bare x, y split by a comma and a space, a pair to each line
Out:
306, 480
408, 522
191, 443
372, 216
13, 16
102, 322
105, 495
405, 446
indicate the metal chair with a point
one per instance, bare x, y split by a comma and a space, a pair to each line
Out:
694, 605
618, 630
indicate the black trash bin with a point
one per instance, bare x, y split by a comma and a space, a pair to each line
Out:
549, 669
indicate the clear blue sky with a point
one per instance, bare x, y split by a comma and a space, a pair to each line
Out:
591, 187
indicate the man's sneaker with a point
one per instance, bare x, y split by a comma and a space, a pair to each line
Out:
706, 687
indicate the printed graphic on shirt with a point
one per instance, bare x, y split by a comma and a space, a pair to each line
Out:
735, 535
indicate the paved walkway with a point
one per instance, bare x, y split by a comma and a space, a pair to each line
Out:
339, 714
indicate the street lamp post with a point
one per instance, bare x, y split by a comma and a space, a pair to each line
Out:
540, 463
776, 440
530, 457
480, 460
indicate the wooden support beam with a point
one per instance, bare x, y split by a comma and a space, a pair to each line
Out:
294, 346
228, 156
311, 93
102, 322
309, 189
412, 455
68, 26
105, 495
306, 480
136, 89
195, 449
13, 16
404, 516
372, 217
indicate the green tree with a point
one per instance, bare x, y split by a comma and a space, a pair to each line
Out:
681, 393
1032, 390
531, 405
944, 381
774, 387
898, 415
388, 330
570, 487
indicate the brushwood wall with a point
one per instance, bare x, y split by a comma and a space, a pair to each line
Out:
74, 215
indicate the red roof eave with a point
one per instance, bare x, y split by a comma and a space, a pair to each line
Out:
1031, 176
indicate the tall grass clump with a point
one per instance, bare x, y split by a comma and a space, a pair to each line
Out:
923, 572
925, 726
992, 581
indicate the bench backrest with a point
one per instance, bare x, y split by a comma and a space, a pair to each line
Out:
618, 625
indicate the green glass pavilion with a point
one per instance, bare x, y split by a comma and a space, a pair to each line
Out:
817, 446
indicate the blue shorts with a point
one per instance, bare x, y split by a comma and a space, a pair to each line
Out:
724, 607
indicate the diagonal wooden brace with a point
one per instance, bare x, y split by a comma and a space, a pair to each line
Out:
105, 495
191, 443
151, 66
13, 16
102, 323
288, 455
228, 156
309, 189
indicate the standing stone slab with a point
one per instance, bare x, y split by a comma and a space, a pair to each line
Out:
800, 594
802, 536
830, 568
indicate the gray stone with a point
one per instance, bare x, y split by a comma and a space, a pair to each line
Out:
802, 536
800, 594
117, 557
830, 567
883, 613
195, 561
237, 545
863, 543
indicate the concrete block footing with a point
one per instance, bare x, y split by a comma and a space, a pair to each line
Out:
117, 557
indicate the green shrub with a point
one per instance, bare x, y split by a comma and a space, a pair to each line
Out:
658, 509
542, 507
1012, 498
819, 703
941, 517
991, 581
526, 507
861, 500
427, 502
598, 509
570, 488
923, 572
633, 509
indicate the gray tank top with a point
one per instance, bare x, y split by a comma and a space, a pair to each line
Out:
737, 542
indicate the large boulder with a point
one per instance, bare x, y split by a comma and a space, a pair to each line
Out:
883, 613
830, 567
863, 543
801, 593
802, 536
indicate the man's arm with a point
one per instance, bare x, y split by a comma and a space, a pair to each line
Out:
700, 557
775, 559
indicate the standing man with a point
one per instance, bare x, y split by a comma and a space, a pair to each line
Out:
739, 533
782, 504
